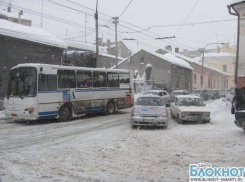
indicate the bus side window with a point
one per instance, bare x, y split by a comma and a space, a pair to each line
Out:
47, 82
84, 79
99, 79
66, 79
112, 80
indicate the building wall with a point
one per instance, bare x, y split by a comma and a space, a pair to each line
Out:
162, 71
123, 51
17, 51
105, 62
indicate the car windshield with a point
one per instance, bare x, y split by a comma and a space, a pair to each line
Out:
176, 93
23, 82
190, 102
197, 91
149, 101
153, 93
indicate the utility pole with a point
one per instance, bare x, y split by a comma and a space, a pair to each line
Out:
97, 35
85, 27
42, 16
116, 22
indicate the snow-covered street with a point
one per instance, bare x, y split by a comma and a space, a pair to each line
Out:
105, 148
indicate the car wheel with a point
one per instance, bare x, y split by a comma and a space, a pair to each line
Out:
110, 108
179, 121
64, 114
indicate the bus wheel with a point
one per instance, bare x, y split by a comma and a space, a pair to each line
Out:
110, 108
64, 114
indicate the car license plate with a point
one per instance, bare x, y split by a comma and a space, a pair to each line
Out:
14, 115
147, 120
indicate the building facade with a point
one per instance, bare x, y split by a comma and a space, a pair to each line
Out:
164, 70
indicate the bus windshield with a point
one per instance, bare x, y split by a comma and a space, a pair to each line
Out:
23, 82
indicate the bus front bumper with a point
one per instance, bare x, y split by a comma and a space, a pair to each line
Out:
20, 115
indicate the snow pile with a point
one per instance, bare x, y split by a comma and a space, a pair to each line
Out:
2, 116
217, 109
33, 34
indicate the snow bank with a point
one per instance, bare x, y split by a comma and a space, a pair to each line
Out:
2, 116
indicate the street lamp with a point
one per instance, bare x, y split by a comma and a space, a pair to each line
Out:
203, 59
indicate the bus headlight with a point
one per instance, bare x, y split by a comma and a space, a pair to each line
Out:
30, 109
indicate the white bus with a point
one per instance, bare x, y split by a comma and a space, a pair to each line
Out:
43, 91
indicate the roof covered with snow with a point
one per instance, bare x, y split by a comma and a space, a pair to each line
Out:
196, 61
171, 58
14, 14
85, 46
28, 33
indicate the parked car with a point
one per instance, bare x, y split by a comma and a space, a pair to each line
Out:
213, 94
201, 93
224, 92
189, 108
149, 110
178, 92
164, 94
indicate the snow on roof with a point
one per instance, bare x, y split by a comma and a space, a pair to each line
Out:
85, 46
111, 56
221, 54
236, 1
32, 34
196, 61
15, 15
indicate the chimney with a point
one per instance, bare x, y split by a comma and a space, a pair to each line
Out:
169, 48
218, 49
108, 44
176, 50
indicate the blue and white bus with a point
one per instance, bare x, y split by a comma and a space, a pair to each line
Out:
43, 91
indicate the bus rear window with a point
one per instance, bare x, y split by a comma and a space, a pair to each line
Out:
124, 78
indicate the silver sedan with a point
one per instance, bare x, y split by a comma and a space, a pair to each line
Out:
149, 110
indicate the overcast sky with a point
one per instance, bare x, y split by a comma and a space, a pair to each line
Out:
165, 16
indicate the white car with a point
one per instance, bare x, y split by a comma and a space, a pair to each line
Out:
189, 108
163, 94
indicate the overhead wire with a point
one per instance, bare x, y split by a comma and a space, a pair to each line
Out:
125, 8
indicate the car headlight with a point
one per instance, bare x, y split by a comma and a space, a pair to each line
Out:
163, 115
207, 114
136, 114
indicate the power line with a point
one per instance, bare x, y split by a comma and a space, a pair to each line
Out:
125, 9
186, 17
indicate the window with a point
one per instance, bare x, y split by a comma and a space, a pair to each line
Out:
66, 79
47, 82
142, 60
195, 78
224, 68
84, 79
99, 79
124, 78
160, 93
112, 80
177, 82
186, 83
165, 93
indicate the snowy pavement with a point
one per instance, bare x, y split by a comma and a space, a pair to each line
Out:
105, 148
